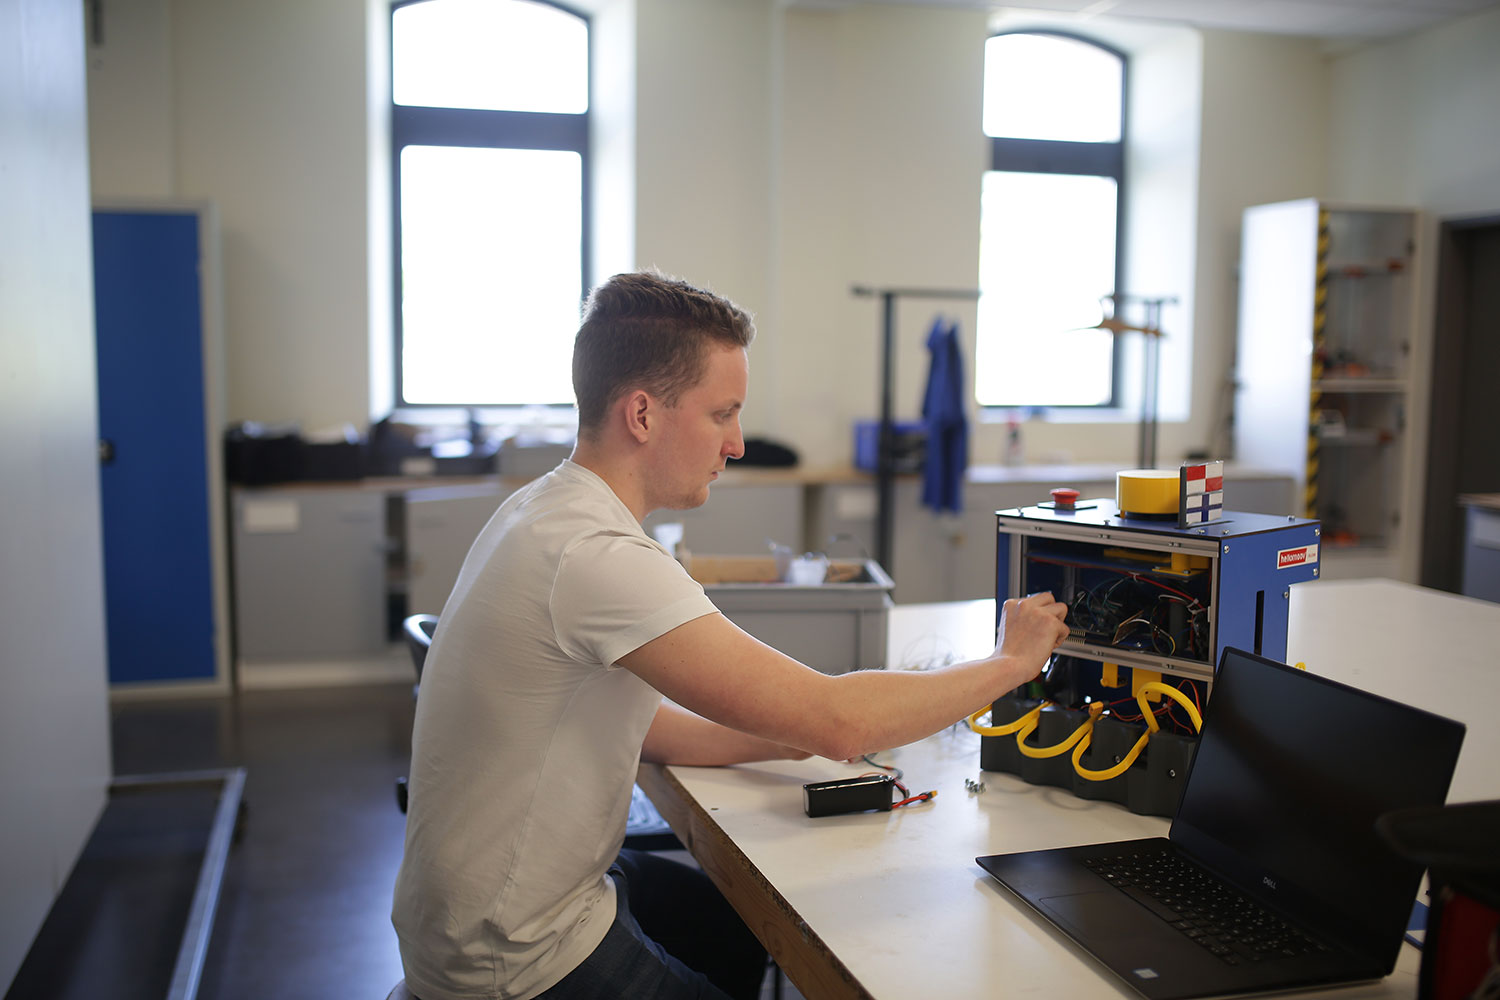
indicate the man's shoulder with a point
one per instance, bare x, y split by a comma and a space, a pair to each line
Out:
565, 498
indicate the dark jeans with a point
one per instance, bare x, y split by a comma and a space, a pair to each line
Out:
674, 938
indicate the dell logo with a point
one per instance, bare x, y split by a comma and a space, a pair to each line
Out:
1268, 881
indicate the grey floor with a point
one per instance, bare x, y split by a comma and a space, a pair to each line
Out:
305, 911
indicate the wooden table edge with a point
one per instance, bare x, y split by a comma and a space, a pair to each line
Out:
797, 949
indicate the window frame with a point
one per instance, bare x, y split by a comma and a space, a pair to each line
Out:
1087, 159
418, 125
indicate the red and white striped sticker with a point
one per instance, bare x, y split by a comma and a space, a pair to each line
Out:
1306, 555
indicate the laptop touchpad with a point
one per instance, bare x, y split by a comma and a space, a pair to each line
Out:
1106, 915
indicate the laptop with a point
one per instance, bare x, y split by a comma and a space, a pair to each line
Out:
1272, 876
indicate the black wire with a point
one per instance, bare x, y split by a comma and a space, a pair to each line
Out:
896, 771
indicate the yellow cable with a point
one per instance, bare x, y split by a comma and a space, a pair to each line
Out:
1140, 744
1170, 692
1006, 729
1081, 737
1109, 772
1084, 728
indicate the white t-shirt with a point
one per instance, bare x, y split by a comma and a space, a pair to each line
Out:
527, 740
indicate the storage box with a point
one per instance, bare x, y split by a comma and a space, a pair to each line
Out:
908, 446
835, 626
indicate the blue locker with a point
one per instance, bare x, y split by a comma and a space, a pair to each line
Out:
155, 490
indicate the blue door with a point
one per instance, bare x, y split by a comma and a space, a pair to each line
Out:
158, 559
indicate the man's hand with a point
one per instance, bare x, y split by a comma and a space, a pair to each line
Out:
1030, 629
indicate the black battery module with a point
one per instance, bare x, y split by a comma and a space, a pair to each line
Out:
848, 795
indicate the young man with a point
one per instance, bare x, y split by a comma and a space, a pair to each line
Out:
543, 689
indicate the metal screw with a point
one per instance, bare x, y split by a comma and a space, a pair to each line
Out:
1171, 772
1315, 572
1226, 550
1286, 595
1317, 532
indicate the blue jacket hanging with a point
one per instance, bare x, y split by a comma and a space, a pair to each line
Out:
947, 426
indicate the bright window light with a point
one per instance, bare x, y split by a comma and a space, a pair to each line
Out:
491, 274
1050, 87
1046, 256
496, 55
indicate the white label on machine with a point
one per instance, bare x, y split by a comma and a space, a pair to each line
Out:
270, 516
1306, 555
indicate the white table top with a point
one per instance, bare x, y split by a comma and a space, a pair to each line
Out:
897, 896
1427, 648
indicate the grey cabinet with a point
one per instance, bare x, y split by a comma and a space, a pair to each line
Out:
441, 523
1481, 577
1326, 323
310, 575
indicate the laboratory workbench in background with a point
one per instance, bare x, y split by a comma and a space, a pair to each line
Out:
322, 572
892, 905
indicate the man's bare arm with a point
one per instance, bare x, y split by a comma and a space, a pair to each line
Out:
715, 669
678, 736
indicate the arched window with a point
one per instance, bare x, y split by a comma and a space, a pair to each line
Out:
1050, 222
490, 169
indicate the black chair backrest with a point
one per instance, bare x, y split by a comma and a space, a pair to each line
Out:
419, 629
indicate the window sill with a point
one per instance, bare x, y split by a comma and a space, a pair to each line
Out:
1058, 415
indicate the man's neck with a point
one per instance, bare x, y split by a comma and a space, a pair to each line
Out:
620, 475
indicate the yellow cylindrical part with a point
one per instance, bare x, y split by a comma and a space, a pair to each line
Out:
1148, 491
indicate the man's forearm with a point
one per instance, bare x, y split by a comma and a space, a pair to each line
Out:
678, 736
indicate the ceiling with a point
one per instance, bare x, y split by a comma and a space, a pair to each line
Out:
1332, 19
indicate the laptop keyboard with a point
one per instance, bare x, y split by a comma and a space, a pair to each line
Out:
1205, 910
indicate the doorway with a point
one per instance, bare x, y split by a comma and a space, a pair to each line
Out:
1463, 444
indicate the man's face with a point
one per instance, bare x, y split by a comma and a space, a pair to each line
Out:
700, 433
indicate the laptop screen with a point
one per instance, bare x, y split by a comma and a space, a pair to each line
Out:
1289, 777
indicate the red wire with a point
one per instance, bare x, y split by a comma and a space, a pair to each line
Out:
925, 796
1157, 583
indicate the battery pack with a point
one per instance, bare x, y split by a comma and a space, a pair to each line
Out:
848, 795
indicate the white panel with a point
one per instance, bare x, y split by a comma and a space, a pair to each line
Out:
54, 724
1278, 265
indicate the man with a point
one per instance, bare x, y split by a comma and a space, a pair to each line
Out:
543, 689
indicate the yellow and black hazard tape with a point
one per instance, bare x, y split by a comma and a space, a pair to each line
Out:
1315, 402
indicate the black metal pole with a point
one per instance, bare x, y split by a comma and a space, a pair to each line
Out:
885, 451
885, 462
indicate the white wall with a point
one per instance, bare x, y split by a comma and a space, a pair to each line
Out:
702, 160
880, 160
54, 724
265, 115
781, 154
1265, 124
1415, 122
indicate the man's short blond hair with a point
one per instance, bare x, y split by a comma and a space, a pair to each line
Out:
648, 331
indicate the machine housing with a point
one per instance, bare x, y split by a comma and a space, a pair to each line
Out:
1148, 601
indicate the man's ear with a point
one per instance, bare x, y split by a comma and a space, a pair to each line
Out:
640, 414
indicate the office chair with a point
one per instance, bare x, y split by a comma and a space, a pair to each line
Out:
645, 830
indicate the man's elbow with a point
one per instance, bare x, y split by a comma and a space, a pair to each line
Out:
841, 742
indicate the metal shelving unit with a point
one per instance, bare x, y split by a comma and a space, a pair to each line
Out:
1326, 322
